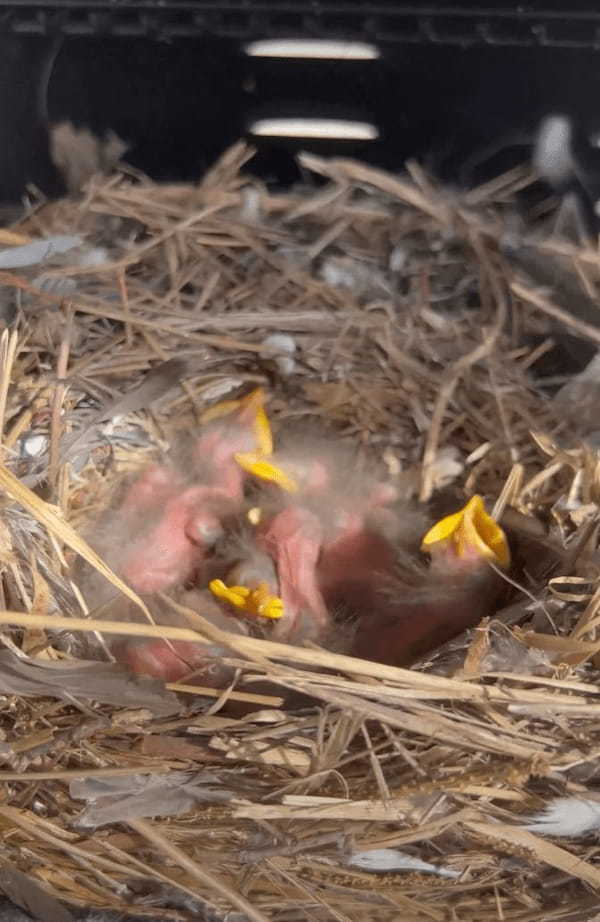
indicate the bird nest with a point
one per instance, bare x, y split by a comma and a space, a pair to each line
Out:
389, 313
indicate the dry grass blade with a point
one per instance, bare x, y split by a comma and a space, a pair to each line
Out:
448, 386
8, 351
195, 871
352, 171
540, 849
567, 319
412, 343
257, 650
50, 519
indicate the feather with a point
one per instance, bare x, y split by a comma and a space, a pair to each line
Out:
564, 157
386, 860
552, 154
567, 817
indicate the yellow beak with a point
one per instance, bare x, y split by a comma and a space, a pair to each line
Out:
469, 534
252, 404
257, 602
257, 465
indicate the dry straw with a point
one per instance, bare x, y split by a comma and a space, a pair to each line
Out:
412, 334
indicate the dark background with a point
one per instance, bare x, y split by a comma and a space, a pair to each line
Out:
180, 101
181, 104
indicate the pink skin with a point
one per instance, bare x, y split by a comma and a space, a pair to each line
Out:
188, 521
316, 575
190, 518
402, 629
151, 490
316, 477
359, 557
165, 553
225, 473
175, 547
352, 561
221, 442
293, 539
157, 659
172, 661
352, 568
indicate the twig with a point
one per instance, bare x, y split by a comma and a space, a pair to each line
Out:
194, 870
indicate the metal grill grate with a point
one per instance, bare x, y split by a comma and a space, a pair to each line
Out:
553, 25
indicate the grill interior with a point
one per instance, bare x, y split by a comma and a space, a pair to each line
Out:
173, 79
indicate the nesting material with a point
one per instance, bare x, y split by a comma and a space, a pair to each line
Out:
79, 155
389, 793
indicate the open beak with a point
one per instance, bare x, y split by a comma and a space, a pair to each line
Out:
257, 602
467, 537
250, 410
257, 465
457, 591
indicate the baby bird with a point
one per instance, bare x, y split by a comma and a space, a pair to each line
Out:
173, 523
330, 531
293, 539
172, 661
462, 584
298, 546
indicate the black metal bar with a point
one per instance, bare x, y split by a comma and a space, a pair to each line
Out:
553, 25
